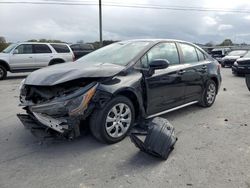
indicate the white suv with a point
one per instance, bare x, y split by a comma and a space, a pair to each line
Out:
25, 57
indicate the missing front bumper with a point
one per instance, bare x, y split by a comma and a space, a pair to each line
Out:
65, 127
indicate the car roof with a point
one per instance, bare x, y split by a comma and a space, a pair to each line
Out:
155, 40
41, 43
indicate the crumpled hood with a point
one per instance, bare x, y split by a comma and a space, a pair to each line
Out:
57, 74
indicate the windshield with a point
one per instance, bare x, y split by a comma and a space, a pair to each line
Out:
237, 53
9, 48
120, 53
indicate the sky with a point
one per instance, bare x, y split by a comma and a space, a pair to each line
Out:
71, 23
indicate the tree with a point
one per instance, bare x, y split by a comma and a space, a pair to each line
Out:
2, 40
227, 42
209, 44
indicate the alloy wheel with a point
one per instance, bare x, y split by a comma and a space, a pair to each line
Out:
211, 93
118, 120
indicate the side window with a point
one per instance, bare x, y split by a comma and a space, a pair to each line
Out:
200, 55
189, 53
167, 51
60, 48
41, 49
24, 49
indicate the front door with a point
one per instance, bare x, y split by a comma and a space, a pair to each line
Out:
22, 57
165, 89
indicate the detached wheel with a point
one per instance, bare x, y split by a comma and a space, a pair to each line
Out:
3, 73
112, 123
209, 94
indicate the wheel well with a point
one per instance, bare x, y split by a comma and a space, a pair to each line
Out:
133, 98
216, 82
5, 65
59, 60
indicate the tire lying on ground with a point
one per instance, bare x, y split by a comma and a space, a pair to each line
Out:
111, 123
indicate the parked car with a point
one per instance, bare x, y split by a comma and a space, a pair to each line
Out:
25, 57
248, 81
219, 53
118, 85
81, 49
232, 56
242, 65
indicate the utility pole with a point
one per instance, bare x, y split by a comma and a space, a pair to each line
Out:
100, 22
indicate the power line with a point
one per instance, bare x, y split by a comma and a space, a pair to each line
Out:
140, 6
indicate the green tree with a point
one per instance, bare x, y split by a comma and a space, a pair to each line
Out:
227, 42
2, 40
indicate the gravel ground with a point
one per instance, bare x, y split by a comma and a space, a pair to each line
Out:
213, 149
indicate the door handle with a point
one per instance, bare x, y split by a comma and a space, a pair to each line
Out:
204, 67
30, 57
181, 72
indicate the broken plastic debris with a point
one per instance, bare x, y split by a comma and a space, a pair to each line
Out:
160, 138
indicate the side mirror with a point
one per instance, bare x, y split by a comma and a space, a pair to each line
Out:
15, 51
159, 64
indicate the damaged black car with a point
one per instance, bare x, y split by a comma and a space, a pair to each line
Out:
117, 86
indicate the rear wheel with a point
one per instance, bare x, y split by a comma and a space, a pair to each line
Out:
209, 94
3, 72
112, 123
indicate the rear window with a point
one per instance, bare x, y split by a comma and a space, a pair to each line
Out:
60, 48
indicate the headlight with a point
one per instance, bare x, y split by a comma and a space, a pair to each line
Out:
21, 84
73, 106
78, 105
235, 63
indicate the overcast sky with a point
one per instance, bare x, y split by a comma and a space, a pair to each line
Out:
20, 22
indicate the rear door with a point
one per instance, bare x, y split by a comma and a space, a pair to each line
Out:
63, 52
165, 88
194, 72
21, 57
42, 55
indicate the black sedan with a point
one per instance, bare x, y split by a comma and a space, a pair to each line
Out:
242, 65
117, 86
232, 57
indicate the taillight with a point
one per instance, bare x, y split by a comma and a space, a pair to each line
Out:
73, 57
219, 67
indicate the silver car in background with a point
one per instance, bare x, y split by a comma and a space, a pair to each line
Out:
27, 56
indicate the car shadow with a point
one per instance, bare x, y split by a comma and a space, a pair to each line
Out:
15, 77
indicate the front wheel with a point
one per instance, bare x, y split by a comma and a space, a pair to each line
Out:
209, 94
112, 123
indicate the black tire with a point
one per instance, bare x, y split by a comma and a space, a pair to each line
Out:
98, 118
205, 102
3, 72
222, 64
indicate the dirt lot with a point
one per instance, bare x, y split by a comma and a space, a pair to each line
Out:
210, 152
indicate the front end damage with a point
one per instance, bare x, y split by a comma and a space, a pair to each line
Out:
58, 109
